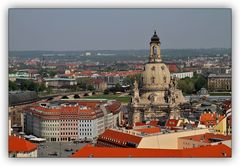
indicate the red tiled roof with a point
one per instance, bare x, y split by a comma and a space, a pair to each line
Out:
208, 119
16, 144
140, 124
119, 137
205, 151
149, 130
114, 107
121, 73
207, 136
172, 67
171, 123
153, 123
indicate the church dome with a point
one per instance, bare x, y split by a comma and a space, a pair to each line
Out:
156, 77
155, 38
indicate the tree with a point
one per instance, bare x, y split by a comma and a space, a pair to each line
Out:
192, 85
52, 73
12, 86
129, 80
186, 85
118, 87
90, 87
199, 82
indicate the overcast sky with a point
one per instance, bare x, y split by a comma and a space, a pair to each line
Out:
84, 29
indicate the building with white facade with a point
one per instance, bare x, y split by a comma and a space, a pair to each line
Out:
182, 75
72, 120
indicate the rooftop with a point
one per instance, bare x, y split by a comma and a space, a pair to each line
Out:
219, 76
16, 144
212, 151
119, 137
208, 137
149, 130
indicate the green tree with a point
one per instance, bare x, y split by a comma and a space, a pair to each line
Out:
90, 87
118, 87
192, 85
129, 80
12, 86
186, 85
199, 82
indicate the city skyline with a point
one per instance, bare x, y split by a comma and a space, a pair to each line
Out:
117, 29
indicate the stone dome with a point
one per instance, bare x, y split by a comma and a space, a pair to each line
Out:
156, 76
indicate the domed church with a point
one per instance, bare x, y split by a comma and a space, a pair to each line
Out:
159, 95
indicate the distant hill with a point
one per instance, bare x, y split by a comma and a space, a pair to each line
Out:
110, 55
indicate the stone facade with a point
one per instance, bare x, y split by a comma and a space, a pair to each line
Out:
159, 94
219, 83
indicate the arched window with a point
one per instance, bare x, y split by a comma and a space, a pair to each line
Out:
165, 79
153, 80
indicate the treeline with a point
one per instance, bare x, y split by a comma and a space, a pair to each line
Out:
26, 85
192, 85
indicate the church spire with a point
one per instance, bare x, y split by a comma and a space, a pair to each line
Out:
155, 51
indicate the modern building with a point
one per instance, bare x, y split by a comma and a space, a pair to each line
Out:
219, 83
19, 147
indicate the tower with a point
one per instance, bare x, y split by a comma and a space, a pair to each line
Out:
155, 51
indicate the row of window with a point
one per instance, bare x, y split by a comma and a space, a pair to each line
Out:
85, 125
85, 134
68, 128
85, 129
68, 133
50, 134
69, 124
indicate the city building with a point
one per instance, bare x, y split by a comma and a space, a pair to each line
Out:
181, 75
203, 140
112, 78
19, 147
159, 93
225, 125
209, 119
114, 138
99, 84
146, 138
60, 82
72, 120
219, 83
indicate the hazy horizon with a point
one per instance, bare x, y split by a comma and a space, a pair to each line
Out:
117, 29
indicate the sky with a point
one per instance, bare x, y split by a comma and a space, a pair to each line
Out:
118, 29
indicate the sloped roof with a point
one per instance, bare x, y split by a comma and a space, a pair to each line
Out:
207, 137
149, 130
16, 144
119, 137
171, 123
205, 151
